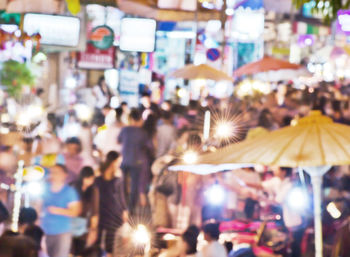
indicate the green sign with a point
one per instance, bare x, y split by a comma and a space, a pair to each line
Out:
102, 37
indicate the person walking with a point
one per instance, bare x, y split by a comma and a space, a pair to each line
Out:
85, 227
113, 209
135, 148
60, 205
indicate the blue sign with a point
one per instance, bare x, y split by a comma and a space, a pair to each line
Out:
213, 54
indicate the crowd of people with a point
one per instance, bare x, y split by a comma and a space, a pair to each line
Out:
113, 170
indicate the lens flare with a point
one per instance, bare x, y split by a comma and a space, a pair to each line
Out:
190, 157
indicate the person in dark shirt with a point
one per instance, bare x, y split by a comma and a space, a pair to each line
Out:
113, 209
86, 232
136, 146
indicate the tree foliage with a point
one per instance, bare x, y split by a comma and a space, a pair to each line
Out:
14, 75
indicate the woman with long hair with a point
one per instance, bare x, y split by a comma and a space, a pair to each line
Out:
113, 208
85, 227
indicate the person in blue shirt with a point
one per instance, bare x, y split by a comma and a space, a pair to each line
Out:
60, 204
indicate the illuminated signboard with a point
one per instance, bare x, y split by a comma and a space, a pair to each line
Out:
54, 29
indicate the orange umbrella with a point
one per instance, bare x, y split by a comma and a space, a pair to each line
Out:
266, 64
202, 71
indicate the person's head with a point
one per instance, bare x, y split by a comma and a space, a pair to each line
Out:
112, 162
124, 106
58, 174
35, 233
282, 172
150, 125
146, 100
27, 215
193, 105
118, 114
18, 246
135, 117
190, 238
211, 232
167, 117
194, 141
166, 106
87, 176
39, 92
101, 81
73, 146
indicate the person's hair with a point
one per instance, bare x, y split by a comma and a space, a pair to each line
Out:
124, 103
167, 115
146, 94
190, 238
18, 246
118, 113
100, 80
62, 167
27, 215
110, 158
194, 140
287, 170
74, 141
86, 172
35, 233
193, 104
212, 229
135, 114
150, 125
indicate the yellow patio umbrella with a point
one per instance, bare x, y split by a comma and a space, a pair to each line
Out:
202, 71
315, 144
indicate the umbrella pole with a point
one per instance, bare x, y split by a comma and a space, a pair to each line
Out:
316, 186
316, 174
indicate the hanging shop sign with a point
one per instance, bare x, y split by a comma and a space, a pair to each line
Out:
55, 30
102, 37
129, 87
94, 58
213, 54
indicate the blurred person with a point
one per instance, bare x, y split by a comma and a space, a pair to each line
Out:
107, 140
213, 247
18, 246
113, 209
86, 138
150, 127
27, 217
190, 239
74, 162
102, 93
166, 135
166, 106
148, 107
37, 234
135, 147
125, 114
60, 204
85, 227
186, 246
278, 188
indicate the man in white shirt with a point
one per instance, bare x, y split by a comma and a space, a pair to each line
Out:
213, 248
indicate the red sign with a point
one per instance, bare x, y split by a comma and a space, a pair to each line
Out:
94, 58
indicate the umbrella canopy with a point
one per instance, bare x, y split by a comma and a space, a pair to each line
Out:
264, 65
282, 75
315, 141
202, 71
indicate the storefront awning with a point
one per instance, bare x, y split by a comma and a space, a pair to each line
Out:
141, 8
